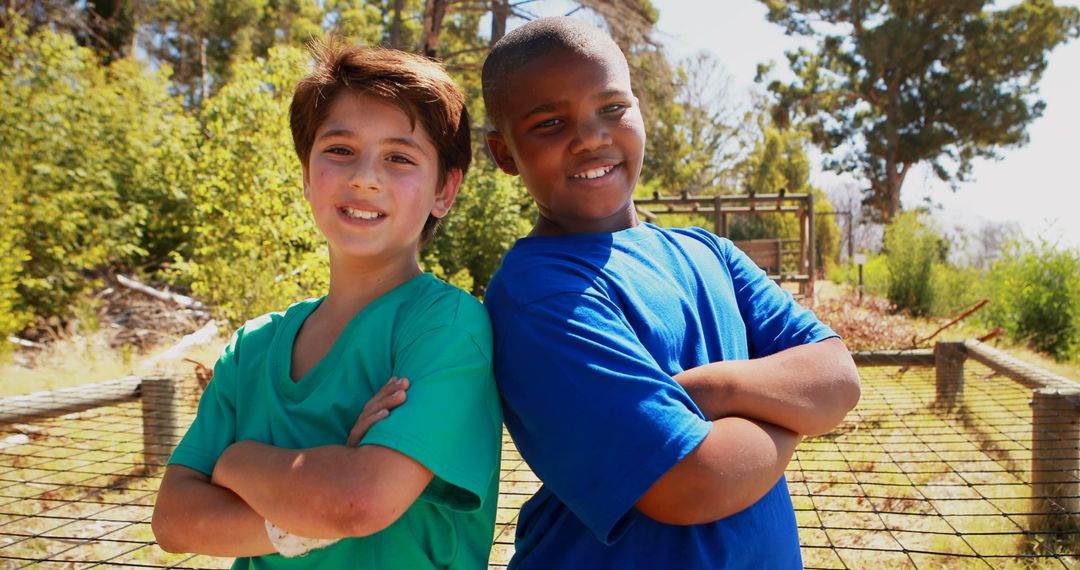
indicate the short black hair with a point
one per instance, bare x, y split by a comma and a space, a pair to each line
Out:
534, 39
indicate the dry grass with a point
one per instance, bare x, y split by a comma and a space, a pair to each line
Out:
902, 483
87, 359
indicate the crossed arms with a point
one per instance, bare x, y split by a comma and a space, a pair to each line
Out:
760, 409
331, 491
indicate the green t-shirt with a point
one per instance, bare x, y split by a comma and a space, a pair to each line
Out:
435, 335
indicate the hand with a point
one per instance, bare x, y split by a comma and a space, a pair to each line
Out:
390, 396
711, 389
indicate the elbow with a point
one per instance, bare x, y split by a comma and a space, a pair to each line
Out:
844, 394
167, 537
848, 388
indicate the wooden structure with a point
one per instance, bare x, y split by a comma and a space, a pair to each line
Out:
785, 261
1055, 417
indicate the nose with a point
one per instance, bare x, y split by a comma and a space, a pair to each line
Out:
592, 134
366, 174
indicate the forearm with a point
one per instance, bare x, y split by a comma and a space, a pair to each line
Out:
192, 515
807, 389
323, 492
734, 467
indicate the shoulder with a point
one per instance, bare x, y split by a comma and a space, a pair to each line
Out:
257, 334
435, 304
536, 269
694, 236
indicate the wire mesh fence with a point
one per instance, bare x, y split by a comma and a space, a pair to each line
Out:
911, 479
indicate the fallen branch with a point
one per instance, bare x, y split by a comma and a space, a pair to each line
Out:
204, 335
916, 342
167, 296
24, 343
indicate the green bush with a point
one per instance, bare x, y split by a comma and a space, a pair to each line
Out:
1035, 297
875, 275
491, 212
955, 289
257, 248
99, 164
911, 249
12, 319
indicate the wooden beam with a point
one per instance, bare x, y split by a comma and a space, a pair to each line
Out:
40, 405
913, 357
1020, 371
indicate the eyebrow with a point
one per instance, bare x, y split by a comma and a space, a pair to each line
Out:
556, 105
346, 133
545, 108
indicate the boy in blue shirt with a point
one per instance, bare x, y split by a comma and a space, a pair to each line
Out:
654, 379
277, 464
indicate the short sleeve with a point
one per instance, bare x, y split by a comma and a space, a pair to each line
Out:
589, 408
774, 321
452, 420
214, 428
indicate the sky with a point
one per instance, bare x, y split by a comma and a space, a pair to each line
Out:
1036, 186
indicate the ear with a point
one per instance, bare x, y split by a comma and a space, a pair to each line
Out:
307, 181
445, 198
500, 151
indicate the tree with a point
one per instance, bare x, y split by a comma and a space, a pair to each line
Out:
694, 129
96, 153
897, 83
257, 248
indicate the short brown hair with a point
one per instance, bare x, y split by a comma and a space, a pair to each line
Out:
416, 84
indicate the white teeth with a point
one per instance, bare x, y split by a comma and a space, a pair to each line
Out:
361, 214
594, 173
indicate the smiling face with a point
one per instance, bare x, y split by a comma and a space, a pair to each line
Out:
372, 179
571, 127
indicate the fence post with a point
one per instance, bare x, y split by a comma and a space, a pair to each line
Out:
160, 414
1055, 457
949, 370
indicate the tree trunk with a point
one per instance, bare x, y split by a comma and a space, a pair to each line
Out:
395, 25
204, 87
500, 12
434, 12
893, 173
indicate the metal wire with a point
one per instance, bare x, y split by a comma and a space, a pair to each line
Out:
906, 481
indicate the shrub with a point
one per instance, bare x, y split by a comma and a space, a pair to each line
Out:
257, 248
491, 212
12, 319
955, 288
911, 249
98, 159
1035, 297
875, 274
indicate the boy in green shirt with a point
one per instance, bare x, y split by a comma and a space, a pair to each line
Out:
277, 463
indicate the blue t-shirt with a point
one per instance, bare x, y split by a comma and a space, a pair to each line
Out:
589, 331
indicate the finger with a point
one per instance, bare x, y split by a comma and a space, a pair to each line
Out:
389, 399
375, 403
363, 423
